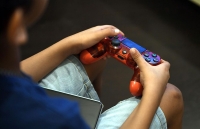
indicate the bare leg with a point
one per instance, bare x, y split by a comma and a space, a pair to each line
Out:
173, 106
94, 72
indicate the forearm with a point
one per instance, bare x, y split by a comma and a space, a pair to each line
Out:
40, 64
143, 114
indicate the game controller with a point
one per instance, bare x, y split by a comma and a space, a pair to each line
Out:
118, 47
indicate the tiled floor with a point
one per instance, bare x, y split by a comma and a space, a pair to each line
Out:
169, 28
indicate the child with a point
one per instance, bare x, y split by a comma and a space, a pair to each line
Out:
24, 104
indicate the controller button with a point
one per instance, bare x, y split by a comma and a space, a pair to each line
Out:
120, 57
146, 55
155, 60
115, 42
154, 55
115, 37
124, 52
148, 59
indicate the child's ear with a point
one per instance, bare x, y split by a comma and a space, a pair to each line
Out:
16, 29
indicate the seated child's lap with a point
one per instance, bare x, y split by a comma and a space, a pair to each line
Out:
71, 77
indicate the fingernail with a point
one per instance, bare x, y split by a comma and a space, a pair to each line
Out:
133, 51
116, 30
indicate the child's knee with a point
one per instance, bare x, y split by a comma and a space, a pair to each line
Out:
172, 106
174, 98
174, 93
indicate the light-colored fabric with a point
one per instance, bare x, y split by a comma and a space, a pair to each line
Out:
114, 117
71, 77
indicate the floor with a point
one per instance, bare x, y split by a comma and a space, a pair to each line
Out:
169, 28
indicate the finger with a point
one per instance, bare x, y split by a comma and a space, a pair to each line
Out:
162, 60
102, 33
137, 57
166, 63
97, 28
116, 30
108, 28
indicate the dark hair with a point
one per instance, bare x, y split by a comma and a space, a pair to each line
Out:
6, 9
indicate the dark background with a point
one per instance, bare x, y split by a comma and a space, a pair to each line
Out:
167, 27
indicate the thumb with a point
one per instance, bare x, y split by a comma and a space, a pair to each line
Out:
137, 57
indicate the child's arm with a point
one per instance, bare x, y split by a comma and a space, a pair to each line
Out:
40, 64
154, 79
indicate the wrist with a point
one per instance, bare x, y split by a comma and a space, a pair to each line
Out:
153, 92
151, 98
67, 46
74, 45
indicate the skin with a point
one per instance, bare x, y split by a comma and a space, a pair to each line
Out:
153, 78
59, 51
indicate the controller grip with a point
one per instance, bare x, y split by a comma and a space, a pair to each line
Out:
93, 54
135, 86
87, 58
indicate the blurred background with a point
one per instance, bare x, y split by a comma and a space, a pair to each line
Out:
167, 27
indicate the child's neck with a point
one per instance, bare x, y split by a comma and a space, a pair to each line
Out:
10, 60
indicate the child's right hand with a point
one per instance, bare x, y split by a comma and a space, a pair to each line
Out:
87, 38
153, 78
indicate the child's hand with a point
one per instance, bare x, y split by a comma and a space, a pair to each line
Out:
153, 78
90, 37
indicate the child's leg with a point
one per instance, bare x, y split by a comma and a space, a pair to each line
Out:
170, 116
94, 72
70, 77
114, 117
172, 106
